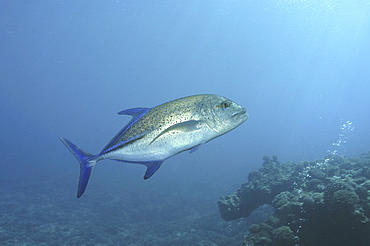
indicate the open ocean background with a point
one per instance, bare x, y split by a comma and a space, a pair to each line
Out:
301, 68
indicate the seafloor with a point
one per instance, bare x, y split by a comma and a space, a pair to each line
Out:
43, 211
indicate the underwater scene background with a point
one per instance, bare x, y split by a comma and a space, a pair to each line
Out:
299, 67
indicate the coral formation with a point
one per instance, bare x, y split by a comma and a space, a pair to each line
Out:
324, 202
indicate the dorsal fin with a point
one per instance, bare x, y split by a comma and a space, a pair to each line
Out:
136, 113
121, 144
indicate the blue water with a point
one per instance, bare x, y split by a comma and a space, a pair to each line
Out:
300, 67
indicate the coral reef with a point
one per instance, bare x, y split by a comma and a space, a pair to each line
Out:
322, 203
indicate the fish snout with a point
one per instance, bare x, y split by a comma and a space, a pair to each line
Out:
240, 115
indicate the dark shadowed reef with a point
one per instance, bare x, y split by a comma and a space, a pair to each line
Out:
324, 202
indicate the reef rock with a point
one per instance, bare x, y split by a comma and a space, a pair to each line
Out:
322, 203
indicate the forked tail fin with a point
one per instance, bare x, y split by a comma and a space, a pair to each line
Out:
87, 162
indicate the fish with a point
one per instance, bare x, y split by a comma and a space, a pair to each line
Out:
155, 134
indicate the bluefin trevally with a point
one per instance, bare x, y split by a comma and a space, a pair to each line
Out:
156, 134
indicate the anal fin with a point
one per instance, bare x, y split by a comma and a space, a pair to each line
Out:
152, 167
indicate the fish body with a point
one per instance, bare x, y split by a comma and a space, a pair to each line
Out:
155, 134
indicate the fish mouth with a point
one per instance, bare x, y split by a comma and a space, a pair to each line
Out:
240, 115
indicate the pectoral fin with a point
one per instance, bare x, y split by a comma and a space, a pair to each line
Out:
186, 126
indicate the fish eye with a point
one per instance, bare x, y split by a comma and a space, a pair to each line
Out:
224, 104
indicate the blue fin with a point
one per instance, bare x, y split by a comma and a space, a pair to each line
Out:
136, 113
152, 167
87, 162
123, 143
195, 148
